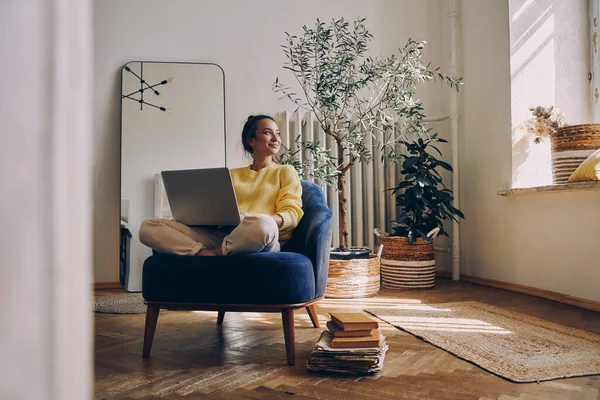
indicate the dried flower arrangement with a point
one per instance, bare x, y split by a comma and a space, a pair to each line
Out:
544, 122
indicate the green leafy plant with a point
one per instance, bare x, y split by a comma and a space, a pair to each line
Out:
320, 164
424, 200
353, 97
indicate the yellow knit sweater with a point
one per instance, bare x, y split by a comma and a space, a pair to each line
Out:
272, 190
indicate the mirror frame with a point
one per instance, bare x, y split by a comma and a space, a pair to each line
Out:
121, 70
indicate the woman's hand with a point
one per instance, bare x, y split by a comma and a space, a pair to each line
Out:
278, 220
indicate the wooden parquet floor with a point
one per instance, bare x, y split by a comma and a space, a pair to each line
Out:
193, 358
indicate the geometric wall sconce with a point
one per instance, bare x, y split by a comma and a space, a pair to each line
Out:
146, 87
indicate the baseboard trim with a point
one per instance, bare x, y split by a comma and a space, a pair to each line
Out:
513, 287
107, 285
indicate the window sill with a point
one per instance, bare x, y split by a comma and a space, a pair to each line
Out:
567, 187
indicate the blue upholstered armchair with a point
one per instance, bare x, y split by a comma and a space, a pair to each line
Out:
260, 282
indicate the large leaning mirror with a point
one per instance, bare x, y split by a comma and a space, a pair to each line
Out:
172, 117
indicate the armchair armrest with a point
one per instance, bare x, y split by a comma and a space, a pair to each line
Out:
312, 236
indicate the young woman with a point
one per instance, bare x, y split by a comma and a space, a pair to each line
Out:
269, 198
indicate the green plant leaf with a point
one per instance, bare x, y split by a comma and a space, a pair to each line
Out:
442, 213
436, 149
401, 218
403, 185
418, 191
423, 235
456, 211
444, 165
410, 162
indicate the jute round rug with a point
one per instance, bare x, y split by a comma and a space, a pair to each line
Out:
130, 303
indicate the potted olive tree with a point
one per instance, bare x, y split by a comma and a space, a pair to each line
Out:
353, 97
408, 259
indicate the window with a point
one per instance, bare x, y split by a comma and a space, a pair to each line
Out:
549, 66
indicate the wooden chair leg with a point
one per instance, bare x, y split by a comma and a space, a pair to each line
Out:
287, 316
220, 317
151, 319
312, 313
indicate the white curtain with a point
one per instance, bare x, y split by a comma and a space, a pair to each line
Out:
46, 202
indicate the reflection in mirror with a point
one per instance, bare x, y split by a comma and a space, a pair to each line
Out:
172, 117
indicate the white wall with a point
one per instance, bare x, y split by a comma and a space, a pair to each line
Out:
244, 38
544, 240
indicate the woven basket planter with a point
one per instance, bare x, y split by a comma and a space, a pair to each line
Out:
350, 279
571, 145
405, 266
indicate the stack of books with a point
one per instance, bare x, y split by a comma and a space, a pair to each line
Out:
353, 344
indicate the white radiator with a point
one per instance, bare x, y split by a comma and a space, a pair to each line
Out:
369, 204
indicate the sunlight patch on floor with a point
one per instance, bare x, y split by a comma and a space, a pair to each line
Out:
365, 303
419, 307
206, 313
248, 316
446, 324
466, 330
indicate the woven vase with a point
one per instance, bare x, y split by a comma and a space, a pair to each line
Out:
406, 266
571, 145
350, 279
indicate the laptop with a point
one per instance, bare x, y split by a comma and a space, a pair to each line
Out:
201, 196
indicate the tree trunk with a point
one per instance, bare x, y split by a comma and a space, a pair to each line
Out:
343, 203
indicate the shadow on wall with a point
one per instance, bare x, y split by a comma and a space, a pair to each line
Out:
520, 153
531, 162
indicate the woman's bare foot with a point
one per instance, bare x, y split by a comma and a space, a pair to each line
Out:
216, 251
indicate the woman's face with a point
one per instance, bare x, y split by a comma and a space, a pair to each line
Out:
266, 140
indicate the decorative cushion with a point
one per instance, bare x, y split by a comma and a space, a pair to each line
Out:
258, 278
589, 170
